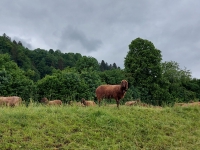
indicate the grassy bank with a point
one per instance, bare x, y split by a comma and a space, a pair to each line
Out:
72, 127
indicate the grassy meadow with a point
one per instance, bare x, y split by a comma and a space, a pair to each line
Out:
38, 127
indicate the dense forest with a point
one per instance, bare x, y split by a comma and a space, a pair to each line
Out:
33, 74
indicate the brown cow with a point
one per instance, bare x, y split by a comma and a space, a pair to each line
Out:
87, 103
53, 102
10, 101
112, 91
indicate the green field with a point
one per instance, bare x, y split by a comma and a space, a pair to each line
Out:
100, 128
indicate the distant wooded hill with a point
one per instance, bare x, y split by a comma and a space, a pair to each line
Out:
43, 62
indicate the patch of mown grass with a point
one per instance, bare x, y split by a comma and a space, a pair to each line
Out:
72, 127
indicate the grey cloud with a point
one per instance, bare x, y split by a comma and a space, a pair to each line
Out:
104, 29
72, 35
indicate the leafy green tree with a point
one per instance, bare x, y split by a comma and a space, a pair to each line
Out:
65, 85
51, 60
51, 51
114, 76
13, 79
49, 87
92, 80
87, 63
71, 59
194, 85
4, 80
175, 82
74, 88
5, 44
143, 65
19, 54
60, 63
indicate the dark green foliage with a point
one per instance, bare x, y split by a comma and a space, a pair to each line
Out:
5, 82
104, 66
93, 80
176, 82
87, 63
13, 80
131, 94
73, 86
155, 82
143, 65
19, 54
71, 58
69, 85
193, 85
114, 76
5, 44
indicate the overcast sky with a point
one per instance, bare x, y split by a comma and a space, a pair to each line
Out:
104, 29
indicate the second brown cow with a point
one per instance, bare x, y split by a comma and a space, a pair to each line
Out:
87, 103
52, 102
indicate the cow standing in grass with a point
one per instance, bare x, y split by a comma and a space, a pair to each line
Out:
10, 101
87, 103
112, 91
52, 102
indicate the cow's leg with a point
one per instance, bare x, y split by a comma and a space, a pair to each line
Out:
99, 100
117, 101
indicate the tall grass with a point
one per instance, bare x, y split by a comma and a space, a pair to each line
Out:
72, 127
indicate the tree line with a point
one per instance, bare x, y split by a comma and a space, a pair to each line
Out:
33, 74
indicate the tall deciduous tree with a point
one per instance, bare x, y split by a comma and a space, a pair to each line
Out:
176, 82
143, 66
